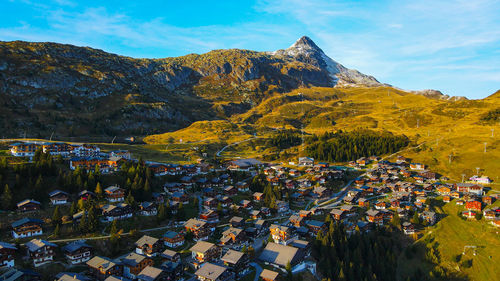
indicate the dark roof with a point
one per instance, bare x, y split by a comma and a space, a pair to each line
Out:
73, 246
24, 221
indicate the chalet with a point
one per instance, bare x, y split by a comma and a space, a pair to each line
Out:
230, 190
294, 173
446, 199
151, 273
134, 263
443, 190
86, 150
337, 214
173, 239
58, 197
173, 270
100, 268
26, 227
255, 214
321, 192
7, 252
210, 203
487, 200
455, 194
210, 216
306, 161
28, 205
213, 272
401, 160
236, 261
473, 205
269, 275
483, 179
199, 228
417, 166
40, 251
89, 164
116, 212
489, 214
242, 186
148, 246
281, 234
209, 192
225, 201
232, 236
77, 252
429, 216
315, 226
290, 184
180, 197
170, 255
86, 195
280, 255
246, 204
375, 216
148, 209
282, 206
243, 164
261, 226
408, 228
469, 188
203, 252
381, 205
115, 194
363, 202
296, 221
257, 196
469, 214
23, 149
158, 198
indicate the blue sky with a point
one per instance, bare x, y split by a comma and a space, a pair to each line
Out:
452, 46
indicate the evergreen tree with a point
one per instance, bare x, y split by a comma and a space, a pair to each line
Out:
83, 226
162, 213
98, 190
57, 231
73, 209
56, 216
396, 221
6, 198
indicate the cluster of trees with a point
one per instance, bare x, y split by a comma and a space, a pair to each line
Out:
367, 256
137, 180
346, 146
28, 179
285, 139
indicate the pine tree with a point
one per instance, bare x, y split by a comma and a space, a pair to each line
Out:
73, 209
56, 216
93, 221
6, 198
162, 213
396, 221
98, 190
83, 223
57, 231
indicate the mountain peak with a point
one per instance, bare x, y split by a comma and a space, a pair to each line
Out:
306, 43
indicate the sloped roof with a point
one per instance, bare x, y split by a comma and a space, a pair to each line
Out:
279, 254
210, 271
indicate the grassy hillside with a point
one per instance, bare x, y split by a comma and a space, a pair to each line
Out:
448, 127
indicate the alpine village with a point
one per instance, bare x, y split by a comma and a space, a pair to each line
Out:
308, 181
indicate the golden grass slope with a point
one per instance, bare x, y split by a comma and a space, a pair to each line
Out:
447, 127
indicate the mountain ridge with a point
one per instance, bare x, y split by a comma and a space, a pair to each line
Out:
51, 87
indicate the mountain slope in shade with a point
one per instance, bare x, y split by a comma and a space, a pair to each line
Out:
305, 50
